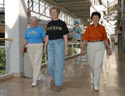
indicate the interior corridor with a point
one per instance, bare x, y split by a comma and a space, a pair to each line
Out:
77, 80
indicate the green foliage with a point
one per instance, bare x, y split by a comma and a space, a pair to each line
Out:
2, 61
43, 58
71, 50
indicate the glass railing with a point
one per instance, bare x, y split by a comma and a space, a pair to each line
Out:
2, 4
3, 59
74, 49
4, 55
2, 7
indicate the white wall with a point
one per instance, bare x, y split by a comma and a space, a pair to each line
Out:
15, 27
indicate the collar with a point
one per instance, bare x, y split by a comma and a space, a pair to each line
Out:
96, 26
33, 27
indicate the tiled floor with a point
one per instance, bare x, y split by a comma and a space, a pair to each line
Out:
77, 80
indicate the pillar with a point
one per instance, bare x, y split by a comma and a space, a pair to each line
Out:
15, 27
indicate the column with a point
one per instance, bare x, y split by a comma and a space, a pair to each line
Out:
15, 27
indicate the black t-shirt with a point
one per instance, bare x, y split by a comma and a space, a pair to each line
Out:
56, 29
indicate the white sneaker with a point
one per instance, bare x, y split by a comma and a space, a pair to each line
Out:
41, 78
34, 84
96, 88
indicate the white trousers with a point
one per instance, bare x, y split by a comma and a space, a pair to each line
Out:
35, 56
95, 52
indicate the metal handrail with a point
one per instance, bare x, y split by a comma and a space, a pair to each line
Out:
6, 39
4, 46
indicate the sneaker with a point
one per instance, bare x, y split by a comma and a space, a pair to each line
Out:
58, 88
41, 78
96, 88
52, 83
34, 84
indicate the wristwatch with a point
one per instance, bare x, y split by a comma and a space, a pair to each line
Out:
108, 48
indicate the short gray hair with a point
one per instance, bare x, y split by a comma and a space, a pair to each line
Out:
34, 18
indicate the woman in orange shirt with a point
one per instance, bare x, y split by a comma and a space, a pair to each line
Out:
96, 38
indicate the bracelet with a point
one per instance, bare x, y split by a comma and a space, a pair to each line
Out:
108, 48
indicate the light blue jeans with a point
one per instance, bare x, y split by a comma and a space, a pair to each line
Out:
56, 60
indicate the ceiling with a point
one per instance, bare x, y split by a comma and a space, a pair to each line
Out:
75, 8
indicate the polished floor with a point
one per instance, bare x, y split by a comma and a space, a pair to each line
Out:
77, 80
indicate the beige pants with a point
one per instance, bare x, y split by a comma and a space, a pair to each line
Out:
35, 56
95, 52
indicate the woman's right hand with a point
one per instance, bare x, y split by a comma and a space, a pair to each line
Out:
45, 51
22, 51
82, 51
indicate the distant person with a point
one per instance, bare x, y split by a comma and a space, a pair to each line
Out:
56, 45
33, 38
96, 38
76, 31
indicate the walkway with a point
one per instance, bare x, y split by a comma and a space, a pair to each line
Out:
77, 80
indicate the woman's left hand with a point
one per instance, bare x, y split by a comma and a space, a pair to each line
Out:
66, 52
109, 51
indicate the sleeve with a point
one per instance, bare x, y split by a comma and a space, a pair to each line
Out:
25, 37
65, 29
85, 35
43, 33
47, 30
105, 34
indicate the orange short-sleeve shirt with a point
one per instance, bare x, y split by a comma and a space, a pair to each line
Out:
93, 33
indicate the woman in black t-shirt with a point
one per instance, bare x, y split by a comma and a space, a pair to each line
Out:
57, 41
